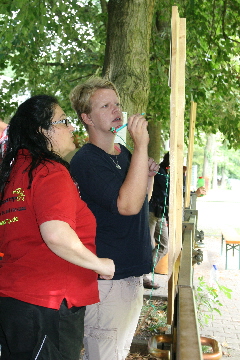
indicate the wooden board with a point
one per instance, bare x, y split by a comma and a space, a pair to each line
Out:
177, 107
193, 112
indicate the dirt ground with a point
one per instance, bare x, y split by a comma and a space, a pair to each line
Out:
152, 321
140, 357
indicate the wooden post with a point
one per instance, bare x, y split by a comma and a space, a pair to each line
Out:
177, 106
190, 152
180, 138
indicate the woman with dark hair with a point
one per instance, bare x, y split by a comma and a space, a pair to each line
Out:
48, 271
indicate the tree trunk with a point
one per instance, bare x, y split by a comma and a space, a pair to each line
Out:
126, 61
156, 142
224, 178
208, 158
214, 179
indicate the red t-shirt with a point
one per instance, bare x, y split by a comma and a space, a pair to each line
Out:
29, 270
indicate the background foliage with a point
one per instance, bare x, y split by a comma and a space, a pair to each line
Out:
228, 160
49, 46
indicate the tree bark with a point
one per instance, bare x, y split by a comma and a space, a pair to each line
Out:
156, 142
224, 178
126, 61
214, 179
208, 158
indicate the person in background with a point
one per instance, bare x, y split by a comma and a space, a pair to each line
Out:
48, 271
201, 191
114, 183
3, 126
158, 216
3, 138
158, 213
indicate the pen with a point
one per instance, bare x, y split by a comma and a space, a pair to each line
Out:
121, 127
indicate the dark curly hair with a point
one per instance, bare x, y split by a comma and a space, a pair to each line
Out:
25, 133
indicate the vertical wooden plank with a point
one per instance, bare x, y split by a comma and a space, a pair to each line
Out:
173, 158
172, 286
190, 152
173, 135
180, 138
177, 106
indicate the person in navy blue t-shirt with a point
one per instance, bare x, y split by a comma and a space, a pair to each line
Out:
114, 183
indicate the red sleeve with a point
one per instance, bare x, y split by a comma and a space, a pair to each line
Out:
55, 196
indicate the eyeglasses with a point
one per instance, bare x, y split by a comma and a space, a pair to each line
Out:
63, 121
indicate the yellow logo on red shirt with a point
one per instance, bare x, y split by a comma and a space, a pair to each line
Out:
20, 197
20, 193
9, 221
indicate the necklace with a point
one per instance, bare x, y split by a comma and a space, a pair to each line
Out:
116, 163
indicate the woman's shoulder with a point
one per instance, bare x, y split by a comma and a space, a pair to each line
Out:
50, 166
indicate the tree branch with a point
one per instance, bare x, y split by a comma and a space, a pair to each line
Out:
223, 23
64, 64
104, 6
80, 77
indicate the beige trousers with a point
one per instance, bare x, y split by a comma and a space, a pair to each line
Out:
110, 324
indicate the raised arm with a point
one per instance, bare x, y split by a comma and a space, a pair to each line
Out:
133, 191
137, 183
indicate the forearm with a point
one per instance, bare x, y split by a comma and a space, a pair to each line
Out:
64, 242
150, 187
133, 191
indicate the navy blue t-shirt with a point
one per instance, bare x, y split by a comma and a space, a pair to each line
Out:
125, 239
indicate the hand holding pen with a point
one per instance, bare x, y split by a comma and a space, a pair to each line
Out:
115, 131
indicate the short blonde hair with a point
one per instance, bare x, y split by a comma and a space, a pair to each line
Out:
80, 96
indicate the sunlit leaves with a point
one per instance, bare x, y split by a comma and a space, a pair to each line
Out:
52, 45
49, 45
